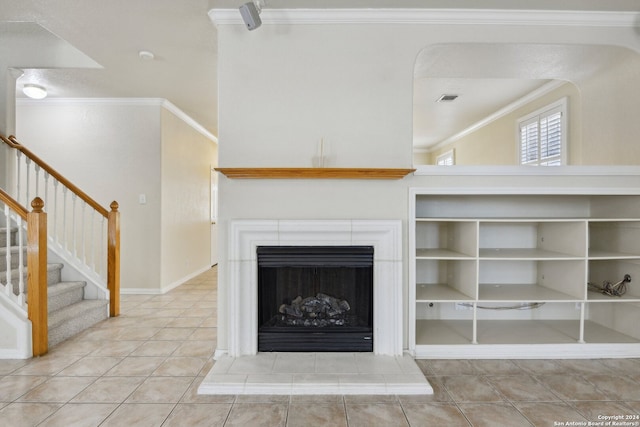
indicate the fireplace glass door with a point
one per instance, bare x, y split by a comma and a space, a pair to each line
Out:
315, 298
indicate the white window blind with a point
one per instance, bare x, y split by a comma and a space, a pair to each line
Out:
542, 137
445, 159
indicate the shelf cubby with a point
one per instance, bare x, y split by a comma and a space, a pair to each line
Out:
613, 271
612, 322
446, 279
527, 332
531, 280
519, 239
614, 239
446, 239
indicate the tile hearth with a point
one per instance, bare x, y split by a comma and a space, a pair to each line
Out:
316, 373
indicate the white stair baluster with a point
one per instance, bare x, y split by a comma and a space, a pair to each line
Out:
64, 218
27, 173
73, 225
56, 238
37, 179
82, 234
8, 289
46, 189
91, 240
102, 253
18, 175
21, 289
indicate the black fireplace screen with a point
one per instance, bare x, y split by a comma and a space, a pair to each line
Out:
315, 298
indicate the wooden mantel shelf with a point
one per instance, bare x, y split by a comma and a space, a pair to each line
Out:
314, 173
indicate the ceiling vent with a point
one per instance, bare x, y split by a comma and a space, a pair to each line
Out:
447, 98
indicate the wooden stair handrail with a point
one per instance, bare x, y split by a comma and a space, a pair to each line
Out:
13, 143
112, 216
13, 205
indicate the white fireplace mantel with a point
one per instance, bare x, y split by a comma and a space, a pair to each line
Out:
246, 235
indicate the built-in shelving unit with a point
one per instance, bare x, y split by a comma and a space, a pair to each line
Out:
508, 275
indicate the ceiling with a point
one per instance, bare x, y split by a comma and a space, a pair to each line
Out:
183, 39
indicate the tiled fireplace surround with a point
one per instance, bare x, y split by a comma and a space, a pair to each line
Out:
242, 370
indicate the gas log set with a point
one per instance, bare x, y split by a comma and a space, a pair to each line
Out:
320, 311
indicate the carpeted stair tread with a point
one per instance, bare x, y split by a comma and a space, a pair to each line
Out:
63, 294
74, 311
3, 236
62, 287
53, 276
15, 256
73, 319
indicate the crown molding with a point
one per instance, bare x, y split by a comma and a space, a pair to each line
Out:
432, 16
140, 102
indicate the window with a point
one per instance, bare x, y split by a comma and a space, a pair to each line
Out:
446, 159
542, 136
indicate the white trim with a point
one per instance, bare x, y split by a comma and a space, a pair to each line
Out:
242, 283
140, 291
528, 351
183, 280
143, 102
188, 120
432, 170
18, 321
530, 97
600, 191
431, 16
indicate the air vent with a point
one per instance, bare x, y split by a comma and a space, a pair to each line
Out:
447, 98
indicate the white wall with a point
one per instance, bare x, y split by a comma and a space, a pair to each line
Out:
113, 150
284, 87
187, 158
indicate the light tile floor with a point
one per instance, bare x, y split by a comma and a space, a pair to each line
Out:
144, 367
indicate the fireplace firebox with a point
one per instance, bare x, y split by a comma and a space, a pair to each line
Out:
315, 298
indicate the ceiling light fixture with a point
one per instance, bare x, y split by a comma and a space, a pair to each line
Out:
34, 91
145, 55
447, 98
250, 13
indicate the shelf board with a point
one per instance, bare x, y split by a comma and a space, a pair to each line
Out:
428, 292
600, 297
528, 331
599, 254
524, 254
443, 254
445, 332
314, 173
596, 333
521, 292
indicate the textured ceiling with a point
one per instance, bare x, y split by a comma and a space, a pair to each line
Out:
111, 33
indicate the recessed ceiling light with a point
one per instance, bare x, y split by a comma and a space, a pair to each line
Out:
145, 55
34, 91
447, 98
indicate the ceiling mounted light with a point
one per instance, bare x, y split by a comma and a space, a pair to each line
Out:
145, 55
34, 91
250, 13
447, 98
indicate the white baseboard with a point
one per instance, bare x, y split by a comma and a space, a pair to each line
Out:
164, 289
185, 279
140, 291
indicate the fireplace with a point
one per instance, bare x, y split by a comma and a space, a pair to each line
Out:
239, 287
315, 298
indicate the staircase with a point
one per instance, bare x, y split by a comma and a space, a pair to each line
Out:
68, 311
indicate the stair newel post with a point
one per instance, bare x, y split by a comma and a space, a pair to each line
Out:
113, 259
37, 276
